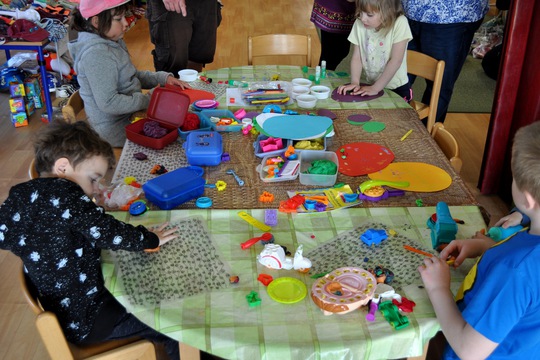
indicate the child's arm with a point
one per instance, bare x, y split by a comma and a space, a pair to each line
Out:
464, 340
356, 72
516, 217
396, 58
469, 248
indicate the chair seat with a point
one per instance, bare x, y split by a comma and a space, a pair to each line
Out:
421, 109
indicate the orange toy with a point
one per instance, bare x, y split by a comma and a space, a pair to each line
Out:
266, 197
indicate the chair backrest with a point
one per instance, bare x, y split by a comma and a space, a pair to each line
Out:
60, 349
72, 111
448, 144
430, 69
32, 172
280, 45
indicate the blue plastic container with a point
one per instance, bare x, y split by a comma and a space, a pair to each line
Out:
204, 148
207, 114
205, 125
174, 188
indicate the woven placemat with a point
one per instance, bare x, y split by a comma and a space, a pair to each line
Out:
418, 147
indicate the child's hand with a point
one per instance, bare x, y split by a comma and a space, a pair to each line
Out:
171, 80
463, 249
344, 89
435, 274
367, 90
165, 235
512, 219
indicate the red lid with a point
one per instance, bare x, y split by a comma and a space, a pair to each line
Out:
168, 106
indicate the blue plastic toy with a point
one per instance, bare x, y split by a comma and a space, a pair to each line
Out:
373, 236
443, 226
498, 233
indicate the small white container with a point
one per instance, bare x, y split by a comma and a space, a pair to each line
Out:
307, 157
299, 90
188, 75
301, 82
320, 91
306, 101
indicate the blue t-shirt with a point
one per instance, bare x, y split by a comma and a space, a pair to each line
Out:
445, 11
500, 298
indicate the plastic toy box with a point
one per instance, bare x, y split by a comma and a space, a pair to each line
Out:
169, 108
204, 125
290, 170
176, 187
307, 157
204, 148
258, 151
207, 114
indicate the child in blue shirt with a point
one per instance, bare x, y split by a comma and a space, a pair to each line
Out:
495, 312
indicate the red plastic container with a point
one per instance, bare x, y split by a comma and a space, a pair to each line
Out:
169, 108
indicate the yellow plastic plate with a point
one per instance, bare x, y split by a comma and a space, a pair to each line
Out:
287, 290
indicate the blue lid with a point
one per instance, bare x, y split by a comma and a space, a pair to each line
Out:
173, 183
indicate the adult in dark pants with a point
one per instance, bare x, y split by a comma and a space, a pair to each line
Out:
184, 33
444, 30
335, 19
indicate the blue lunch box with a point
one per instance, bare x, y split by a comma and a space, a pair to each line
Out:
204, 148
174, 188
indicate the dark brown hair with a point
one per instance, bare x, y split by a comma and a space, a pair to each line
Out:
105, 18
76, 142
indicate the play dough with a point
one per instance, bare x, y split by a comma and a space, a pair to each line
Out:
362, 158
422, 177
354, 98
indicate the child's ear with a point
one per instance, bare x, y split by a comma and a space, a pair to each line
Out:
60, 167
531, 202
94, 21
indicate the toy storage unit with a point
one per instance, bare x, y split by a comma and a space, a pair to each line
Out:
207, 114
260, 153
176, 187
204, 148
169, 108
204, 125
291, 174
307, 157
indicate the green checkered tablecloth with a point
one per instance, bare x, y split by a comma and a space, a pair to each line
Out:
260, 73
222, 323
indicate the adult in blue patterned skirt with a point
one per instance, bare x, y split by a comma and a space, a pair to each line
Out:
444, 30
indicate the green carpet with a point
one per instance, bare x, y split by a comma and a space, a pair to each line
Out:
473, 91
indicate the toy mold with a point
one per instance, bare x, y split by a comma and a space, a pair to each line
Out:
343, 290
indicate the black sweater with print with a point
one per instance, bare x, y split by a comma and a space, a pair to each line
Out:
58, 233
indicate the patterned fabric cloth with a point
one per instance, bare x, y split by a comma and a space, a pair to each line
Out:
58, 232
375, 50
335, 16
445, 11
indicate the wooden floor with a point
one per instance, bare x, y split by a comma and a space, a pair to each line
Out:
18, 337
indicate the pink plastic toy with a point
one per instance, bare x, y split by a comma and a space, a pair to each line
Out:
271, 144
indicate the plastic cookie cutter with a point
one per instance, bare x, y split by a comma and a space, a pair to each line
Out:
236, 177
371, 183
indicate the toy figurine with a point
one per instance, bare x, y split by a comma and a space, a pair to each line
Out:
273, 257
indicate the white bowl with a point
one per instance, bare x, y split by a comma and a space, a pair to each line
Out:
301, 82
299, 90
188, 75
320, 91
306, 101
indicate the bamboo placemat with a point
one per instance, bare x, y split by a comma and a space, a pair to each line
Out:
417, 147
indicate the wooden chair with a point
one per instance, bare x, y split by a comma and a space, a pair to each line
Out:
74, 109
280, 45
430, 69
60, 349
448, 144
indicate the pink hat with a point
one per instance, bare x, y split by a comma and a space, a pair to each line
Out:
89, 8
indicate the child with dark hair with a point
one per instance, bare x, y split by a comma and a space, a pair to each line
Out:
111, 86
495, 312
53, 225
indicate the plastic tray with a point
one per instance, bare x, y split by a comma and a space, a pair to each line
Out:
301, 150
263, 173
204, 126
207, 114
258, 151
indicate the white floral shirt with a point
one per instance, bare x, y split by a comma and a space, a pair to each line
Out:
445, 11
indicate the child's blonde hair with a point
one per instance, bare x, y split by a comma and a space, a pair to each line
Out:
390, 10
526, 159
